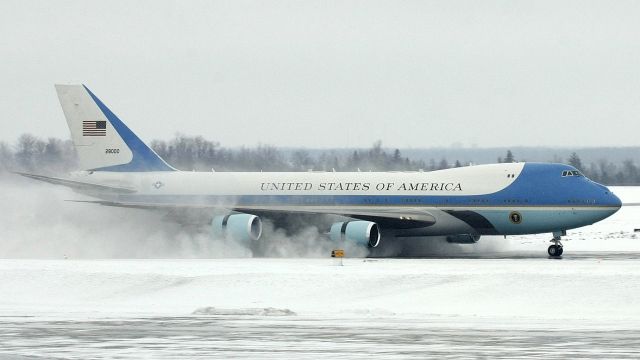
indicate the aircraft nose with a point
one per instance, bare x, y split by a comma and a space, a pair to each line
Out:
611, 201
615, 201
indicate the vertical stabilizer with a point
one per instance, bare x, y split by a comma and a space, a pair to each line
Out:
104, 142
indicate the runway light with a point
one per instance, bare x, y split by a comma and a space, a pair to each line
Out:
337, 255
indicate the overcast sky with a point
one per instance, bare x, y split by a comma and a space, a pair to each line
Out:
331, 74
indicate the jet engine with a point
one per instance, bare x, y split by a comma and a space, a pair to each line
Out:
360, 232
463, 239
237, 226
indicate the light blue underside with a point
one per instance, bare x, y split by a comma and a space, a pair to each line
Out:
543, 220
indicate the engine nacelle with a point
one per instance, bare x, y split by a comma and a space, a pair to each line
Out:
360, 232
463, 239
238, 226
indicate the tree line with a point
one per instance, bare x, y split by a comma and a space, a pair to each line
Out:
55, 156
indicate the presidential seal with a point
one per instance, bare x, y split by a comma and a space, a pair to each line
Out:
515, 217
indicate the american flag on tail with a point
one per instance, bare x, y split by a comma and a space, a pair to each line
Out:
94, 128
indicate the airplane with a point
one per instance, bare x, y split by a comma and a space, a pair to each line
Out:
461, 204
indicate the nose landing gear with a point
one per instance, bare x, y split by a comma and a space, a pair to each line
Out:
556, 250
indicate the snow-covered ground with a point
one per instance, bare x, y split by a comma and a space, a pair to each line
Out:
581, 288
498, 298
312, 308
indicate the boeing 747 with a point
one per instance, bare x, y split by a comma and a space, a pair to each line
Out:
118, 169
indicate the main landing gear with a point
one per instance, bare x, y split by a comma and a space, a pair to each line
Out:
555, 250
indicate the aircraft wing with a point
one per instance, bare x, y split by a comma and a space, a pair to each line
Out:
80, 186
401, 218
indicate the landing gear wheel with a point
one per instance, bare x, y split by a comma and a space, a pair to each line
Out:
555, 250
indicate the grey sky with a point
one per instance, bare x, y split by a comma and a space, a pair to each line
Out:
331, 74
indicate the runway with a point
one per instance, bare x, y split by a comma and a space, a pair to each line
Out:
573, 256
499, 306
310, 338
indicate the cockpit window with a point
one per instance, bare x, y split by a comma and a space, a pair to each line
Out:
571, 173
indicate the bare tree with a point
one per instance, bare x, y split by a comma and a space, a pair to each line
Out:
574, 160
